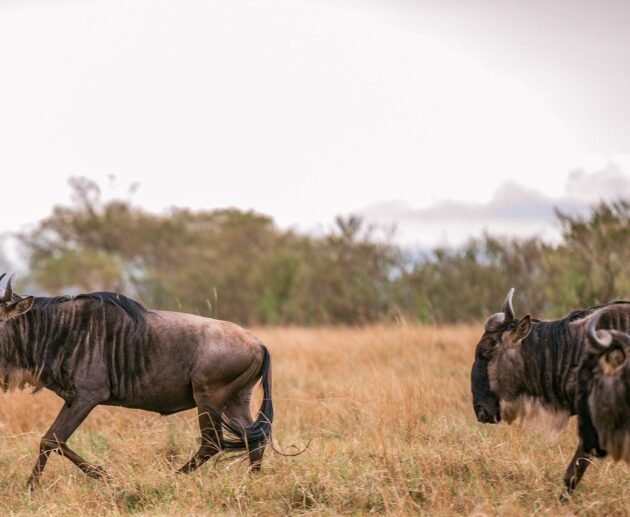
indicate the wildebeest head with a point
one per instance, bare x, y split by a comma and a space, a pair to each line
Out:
503, 333
606, 371
12, 306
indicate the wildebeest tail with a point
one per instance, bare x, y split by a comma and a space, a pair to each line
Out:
256, 434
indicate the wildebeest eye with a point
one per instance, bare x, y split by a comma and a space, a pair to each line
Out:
486, 348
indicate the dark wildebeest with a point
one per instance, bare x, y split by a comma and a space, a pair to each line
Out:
604, 393
104, 348
525, 366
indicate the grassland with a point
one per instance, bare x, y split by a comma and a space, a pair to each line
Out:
387, 409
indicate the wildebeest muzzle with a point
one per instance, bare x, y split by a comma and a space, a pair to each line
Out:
485, 403
488, 411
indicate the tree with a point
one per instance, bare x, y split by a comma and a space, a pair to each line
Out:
596, 253
238, 265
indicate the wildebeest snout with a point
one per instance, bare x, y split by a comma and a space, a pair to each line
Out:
487, 415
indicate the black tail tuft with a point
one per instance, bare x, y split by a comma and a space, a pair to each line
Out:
256, 435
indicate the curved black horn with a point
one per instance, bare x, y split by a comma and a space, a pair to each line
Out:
8, 292
601, 339
2, 276
508, 310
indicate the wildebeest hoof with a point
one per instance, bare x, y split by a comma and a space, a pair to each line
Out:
566, 496
31, 484
599, 453
96, 472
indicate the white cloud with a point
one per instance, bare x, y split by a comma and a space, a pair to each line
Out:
608, 183
513, 209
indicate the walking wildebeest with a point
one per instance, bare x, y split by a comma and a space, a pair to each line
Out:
604, 393
523, 366
104, 348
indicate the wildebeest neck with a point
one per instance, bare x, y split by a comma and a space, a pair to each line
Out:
61, 336
550, 357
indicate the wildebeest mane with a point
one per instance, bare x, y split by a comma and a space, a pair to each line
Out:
555, 351
133, 309
62, 332
550, 357
572, 316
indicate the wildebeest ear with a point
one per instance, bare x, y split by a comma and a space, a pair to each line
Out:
20, 307
523, 327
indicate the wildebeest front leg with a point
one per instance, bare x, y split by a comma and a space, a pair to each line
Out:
211, 437
579, 463
67, 421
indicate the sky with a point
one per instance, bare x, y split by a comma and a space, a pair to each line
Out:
444, 118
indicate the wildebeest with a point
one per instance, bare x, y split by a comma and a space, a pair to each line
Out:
104, 348
604, 393
525, 366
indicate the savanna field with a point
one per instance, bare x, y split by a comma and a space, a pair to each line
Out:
387, 410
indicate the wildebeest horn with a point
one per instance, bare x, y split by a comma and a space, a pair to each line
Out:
508, 310
601, 339
8, 292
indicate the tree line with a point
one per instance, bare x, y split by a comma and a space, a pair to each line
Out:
238, 265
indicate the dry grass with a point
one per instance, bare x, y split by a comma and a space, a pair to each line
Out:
389, 412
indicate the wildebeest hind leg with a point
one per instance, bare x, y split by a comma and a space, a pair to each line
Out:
211, 437
67, 421
579, 463
238, 410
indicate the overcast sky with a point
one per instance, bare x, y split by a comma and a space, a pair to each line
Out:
444, 117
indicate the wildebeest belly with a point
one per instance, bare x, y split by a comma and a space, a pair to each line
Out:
159, 399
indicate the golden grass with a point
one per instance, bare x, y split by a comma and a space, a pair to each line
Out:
388, 409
